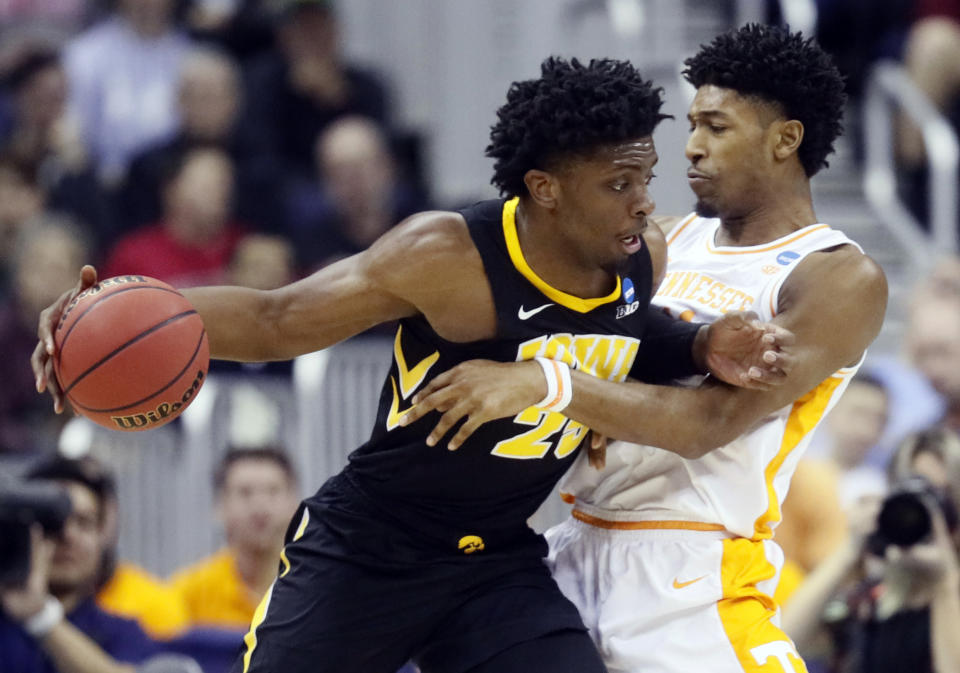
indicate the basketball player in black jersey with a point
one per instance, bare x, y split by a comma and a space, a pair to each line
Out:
416, 552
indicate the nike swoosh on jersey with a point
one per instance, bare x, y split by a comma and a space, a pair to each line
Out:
523, 315
677, 584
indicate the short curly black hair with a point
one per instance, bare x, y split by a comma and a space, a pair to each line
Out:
784, 68
573, 109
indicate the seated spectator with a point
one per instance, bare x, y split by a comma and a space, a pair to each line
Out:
256, 497
355, 197
43, 140
193, 242
209, 103
122, 76
307, 84
242, 27
124, 588
263, 262
52, 624
45, 259
21, 200
57, 17
933, 346
932, 59
892, 607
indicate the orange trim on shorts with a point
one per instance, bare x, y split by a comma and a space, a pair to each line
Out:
567, 498
644, 525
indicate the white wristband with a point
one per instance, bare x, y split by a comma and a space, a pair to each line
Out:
43, 622
559, 384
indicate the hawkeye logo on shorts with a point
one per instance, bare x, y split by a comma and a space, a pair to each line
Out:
469, 544
629, 296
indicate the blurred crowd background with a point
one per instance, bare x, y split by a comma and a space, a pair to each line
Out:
251, 142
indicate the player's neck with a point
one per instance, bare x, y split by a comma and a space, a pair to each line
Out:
554, 260
771, 219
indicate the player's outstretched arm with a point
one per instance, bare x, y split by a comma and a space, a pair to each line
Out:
738, 348
392, 279
833, 305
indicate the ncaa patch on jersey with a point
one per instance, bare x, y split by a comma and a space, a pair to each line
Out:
628, 291
787, 257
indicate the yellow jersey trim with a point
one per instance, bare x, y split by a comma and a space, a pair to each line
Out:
805, 414
520, 263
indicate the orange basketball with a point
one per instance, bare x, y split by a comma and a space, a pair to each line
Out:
131, 353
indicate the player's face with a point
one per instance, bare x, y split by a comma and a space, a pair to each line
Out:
605, 200
76, 558
728, 152
256, 504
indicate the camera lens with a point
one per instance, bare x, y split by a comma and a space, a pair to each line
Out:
904, 519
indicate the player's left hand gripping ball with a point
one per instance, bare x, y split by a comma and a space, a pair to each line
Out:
131, 353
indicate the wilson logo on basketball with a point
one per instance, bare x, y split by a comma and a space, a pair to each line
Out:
163, 411
95, 289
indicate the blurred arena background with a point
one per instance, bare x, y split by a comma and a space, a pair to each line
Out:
415, 87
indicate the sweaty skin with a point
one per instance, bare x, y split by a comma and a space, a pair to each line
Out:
572, 227
743, 168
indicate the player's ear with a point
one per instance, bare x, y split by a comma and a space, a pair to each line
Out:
542, 186
788, 136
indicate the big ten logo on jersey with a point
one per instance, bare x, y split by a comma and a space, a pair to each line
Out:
631, 303
602, 355
693, 287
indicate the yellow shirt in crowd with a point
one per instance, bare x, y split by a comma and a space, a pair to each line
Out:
133, 592
215, 593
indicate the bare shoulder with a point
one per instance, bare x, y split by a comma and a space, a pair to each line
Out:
838, 298
431, 261
846, 272
427, 242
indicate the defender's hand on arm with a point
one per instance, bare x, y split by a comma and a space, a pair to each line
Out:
741, 350
42, 358
478, 391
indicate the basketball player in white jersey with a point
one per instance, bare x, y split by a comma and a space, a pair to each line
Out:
668, 553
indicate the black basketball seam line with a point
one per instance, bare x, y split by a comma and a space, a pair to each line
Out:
63, 342
145, 333
203, 333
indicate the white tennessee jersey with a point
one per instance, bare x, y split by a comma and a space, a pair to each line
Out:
739, 487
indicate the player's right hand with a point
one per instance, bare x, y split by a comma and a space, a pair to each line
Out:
42, 358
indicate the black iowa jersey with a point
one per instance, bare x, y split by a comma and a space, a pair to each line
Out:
485, 491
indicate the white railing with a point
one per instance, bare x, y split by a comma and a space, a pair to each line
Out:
890, 89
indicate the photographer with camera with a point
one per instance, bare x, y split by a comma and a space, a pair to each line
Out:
889, 598
49, 621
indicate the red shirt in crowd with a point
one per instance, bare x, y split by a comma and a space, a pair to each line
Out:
152, 251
